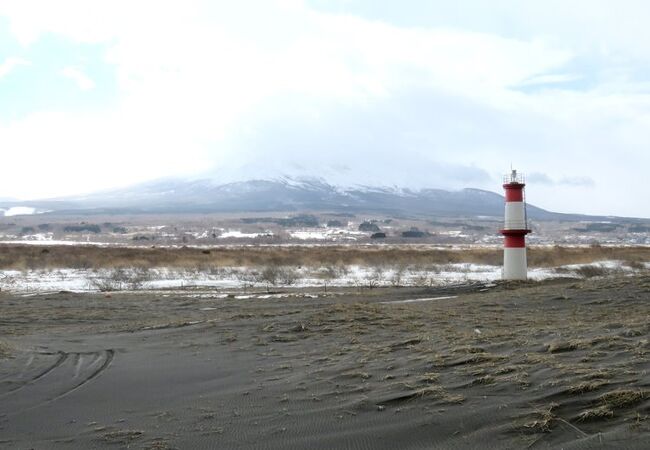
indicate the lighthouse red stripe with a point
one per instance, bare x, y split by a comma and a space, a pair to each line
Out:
514, 241
514, 192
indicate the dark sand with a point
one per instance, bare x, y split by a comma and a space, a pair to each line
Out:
558, 364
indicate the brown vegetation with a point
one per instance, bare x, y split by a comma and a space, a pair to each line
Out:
5, 350
623, 397
21, 257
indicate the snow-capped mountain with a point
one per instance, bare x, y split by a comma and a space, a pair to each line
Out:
283, 194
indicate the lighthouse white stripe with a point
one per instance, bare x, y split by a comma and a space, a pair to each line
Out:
515, 216
514, 264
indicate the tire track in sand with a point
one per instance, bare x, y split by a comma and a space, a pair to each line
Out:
66, 379
62, 358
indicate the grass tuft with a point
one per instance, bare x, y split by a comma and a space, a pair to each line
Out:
543, 420
5, 350
430, 377
623, 397
586, 386
599, 413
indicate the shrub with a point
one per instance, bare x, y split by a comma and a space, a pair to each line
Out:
274, 275
398, 276
120, 279
301, 220
634, 264
287, 276
81, 228
247, 278
375, 278
7, 281
591, 271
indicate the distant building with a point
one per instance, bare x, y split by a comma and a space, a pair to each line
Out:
335, 224
413, 233
369, 226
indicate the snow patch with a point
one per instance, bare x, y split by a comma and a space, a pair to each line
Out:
39, 237
236, 278
326, 234
19, 211
239, 235
417, 300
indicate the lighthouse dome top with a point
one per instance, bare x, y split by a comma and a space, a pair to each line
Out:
514, 178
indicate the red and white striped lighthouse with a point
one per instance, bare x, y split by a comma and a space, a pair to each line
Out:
515, 229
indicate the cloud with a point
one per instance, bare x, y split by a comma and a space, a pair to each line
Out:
578, 181
10, 64
406, 139
550, 79
539, 178
52, 153
315, 52
211, 86
83, 82
571, 181
213, 73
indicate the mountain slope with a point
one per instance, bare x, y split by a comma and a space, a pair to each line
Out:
285, 194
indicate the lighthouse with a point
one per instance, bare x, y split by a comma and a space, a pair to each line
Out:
515, 228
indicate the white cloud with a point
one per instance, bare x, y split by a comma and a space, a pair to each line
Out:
314, 52
51, 154
550, 79
236, 84
10, 64
81, 79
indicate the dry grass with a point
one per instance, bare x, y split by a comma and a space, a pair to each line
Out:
124, 437
592, 271
20, 257
85, 257
5, 350
503, 370
557, 255
430, 377
454, 399
543, 419
575, 344
357, 374
562, 346
477, 358
485, 379
599, 413
158, 444
595, 374
437, 393
610, 401
586, 386
623, 397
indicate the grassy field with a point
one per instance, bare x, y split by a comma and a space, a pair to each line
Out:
22, 257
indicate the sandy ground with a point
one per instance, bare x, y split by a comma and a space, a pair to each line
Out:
552, 364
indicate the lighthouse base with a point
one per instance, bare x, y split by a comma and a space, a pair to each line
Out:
515, 265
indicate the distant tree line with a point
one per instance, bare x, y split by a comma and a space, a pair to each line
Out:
81, 228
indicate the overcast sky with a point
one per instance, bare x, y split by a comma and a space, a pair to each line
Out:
101, 94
